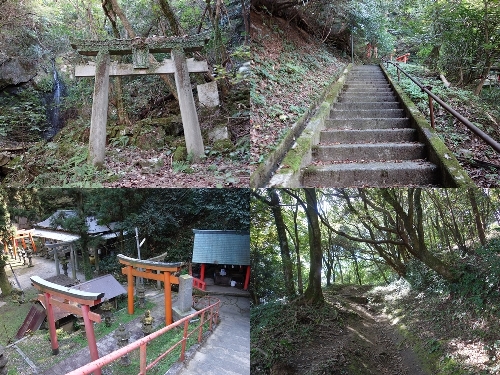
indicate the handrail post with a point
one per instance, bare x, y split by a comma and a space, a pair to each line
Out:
397, 68
202, 321
431, 109
184, 341
142, 359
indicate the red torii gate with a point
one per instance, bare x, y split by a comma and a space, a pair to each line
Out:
68, 300
144, 268
20, 234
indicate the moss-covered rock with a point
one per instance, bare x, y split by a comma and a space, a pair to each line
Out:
223, 146
180, 154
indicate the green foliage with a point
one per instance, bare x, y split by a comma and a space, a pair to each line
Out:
22, 115
480, 281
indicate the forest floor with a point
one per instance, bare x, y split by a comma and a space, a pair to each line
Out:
366, 330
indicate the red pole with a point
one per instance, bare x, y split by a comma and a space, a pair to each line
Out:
184, 341
168, 298
247, 278
202, 272
52, 325
130, 290
32, 243
142, 359
200, 334
89, 332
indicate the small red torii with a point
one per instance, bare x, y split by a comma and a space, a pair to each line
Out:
403, 58
74, 301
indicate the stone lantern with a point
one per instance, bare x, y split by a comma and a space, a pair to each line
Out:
64, 263
147, 323
141, 295
107, 313
122, 338
29, 254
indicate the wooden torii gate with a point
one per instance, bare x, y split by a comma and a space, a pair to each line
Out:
69, 300
140, 48
144, 268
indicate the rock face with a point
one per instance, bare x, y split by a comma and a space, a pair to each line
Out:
15, 70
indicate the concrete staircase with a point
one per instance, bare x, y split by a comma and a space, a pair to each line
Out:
368, 140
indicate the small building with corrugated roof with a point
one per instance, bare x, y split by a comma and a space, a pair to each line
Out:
223, 255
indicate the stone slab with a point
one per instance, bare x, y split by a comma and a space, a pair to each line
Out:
208, 95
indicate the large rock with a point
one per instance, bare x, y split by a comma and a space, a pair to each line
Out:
15, 70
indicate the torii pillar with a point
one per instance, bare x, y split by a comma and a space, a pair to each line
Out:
140, 48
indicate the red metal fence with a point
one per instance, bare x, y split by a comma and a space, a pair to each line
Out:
209, 314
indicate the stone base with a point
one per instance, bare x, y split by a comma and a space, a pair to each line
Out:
178, 315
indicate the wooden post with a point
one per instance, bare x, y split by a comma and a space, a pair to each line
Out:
97, 141
192, 132
52, 324
168, 298
130, 290
89, 332
431, 110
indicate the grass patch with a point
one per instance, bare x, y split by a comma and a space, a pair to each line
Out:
38, 349
13, 315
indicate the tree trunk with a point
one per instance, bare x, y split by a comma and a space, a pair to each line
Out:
170, 16
314, 293
283, 240
477, 216
300, 284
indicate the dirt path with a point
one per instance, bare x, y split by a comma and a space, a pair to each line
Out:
355, 339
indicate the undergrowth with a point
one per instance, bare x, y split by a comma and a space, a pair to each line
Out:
286, 79
280, 329
453, 326
472, 152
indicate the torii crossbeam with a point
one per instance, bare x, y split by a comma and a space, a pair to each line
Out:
140, 48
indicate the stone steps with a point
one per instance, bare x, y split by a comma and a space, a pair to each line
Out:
368, 140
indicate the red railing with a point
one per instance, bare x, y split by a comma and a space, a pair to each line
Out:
198, 284
212, 309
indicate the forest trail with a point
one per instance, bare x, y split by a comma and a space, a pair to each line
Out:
364, 343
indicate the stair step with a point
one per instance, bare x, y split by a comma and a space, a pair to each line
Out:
359, 85
378, 174
366, 105
368, 123
368, 90
369, 113
364, 97
368, 135
370, 152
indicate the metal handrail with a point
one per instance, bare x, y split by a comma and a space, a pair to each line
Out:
485, 137
141, 344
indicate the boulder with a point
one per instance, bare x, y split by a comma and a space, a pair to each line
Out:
16, 70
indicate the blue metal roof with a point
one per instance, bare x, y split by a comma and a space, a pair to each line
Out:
221, 247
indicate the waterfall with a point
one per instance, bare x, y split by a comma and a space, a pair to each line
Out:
53, 106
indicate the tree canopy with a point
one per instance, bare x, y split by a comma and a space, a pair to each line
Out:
367, 236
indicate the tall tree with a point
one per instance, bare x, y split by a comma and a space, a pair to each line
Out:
274, 203
314, 293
